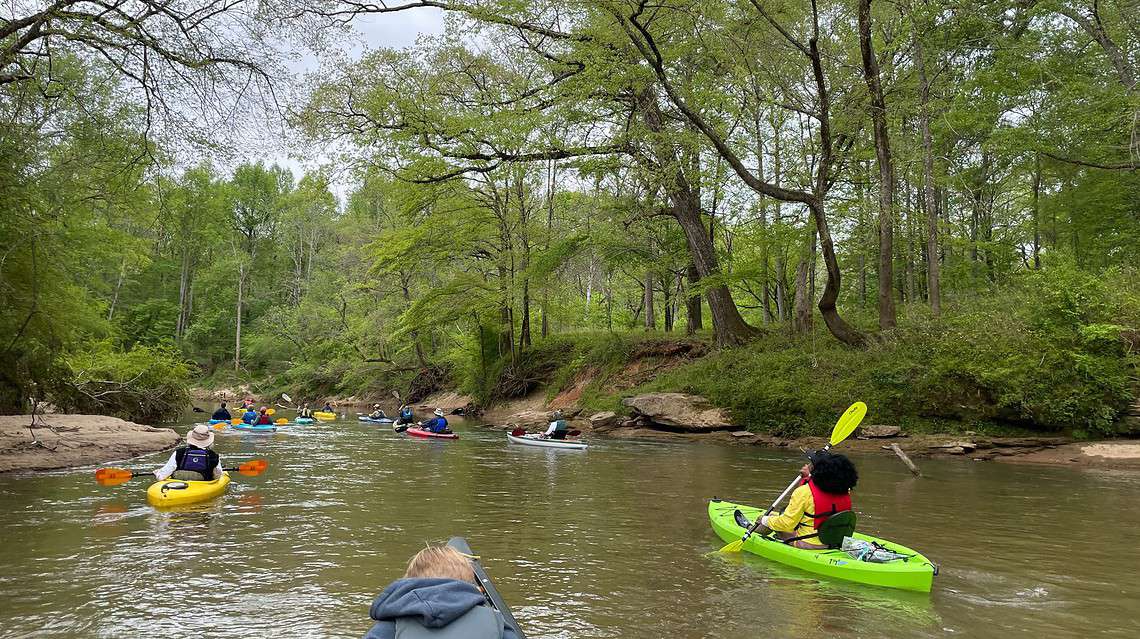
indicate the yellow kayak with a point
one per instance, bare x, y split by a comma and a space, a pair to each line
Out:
178, 492
323, 416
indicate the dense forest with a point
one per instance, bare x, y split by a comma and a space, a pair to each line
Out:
933, 206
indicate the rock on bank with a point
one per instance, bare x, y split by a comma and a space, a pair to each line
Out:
59, 441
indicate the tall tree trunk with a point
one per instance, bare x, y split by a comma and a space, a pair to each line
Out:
667, 297
524, 330
118, 287
729, 327
886, 169
694, 316
933, 282
237, 331
802, 321
861, 233
778, 218
506, 321
183, 296
1037, 212
650, 315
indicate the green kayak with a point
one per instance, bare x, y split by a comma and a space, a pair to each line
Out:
914, 572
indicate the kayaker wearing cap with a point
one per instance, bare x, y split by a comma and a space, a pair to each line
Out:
558, 426
437, 598
249, 416
377, 413
436, 424
194, 461
828, 480
222, 415
263, 417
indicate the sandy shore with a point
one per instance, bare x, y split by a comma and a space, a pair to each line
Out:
60, 441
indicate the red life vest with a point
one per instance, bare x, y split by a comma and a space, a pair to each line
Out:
263, 419
825, 504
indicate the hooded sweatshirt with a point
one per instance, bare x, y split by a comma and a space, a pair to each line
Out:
438, 608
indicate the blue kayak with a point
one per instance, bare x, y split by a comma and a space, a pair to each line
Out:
304, 420
369, 420
218, 421
256, 428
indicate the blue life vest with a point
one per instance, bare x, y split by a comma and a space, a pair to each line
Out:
406, 415
249, 417
436, 425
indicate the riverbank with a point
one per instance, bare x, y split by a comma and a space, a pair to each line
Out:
60, 441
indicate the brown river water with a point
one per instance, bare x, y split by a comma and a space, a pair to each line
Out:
613, 541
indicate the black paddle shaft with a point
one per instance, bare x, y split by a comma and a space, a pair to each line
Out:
489, 589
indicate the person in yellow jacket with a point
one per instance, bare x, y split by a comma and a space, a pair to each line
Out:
828, 480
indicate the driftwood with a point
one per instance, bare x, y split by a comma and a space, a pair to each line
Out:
906, 460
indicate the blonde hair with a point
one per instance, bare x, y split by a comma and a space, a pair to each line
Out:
443, 562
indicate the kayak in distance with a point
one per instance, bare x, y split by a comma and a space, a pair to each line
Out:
256, 428
535, 439
368, 420
323, 416
489, 591
419, 432
910, 571
304, 420
179, 492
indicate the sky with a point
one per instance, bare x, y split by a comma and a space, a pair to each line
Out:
393, 30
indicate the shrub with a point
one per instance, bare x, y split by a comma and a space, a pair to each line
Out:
144, 384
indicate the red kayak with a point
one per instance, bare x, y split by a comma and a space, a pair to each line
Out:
417, 432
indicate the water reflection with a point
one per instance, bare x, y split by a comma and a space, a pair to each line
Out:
608, 542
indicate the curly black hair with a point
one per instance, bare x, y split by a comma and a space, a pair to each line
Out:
833, 473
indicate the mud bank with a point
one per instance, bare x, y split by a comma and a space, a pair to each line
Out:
60, 441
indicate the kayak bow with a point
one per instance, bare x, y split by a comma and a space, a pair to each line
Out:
179, 492
488, 588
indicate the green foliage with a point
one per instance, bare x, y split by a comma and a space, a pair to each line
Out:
1042, 356
143, 384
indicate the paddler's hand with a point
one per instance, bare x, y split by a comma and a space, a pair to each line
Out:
805, 472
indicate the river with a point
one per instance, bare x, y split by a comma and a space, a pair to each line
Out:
609, 542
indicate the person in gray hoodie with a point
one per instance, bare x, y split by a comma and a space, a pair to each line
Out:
436, 599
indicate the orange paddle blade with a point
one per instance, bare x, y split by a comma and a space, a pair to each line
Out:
253, 467
281, 420
113, 476
235, 421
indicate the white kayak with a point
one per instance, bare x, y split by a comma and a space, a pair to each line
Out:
534, 439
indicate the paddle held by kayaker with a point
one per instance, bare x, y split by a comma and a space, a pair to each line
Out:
436, 599
826, 490
194, 461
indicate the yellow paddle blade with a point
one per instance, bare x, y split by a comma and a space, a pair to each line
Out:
235, 421
281, 420
848, 422
733, 546
270, 411
221, 425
